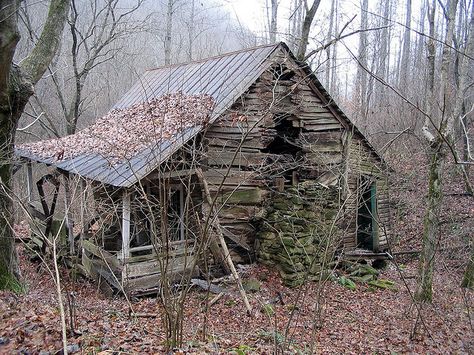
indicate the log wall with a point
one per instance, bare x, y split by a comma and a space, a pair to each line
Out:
243, 163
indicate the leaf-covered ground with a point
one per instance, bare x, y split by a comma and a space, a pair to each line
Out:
361, 321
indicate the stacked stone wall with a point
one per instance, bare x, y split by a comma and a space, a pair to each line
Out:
300, 231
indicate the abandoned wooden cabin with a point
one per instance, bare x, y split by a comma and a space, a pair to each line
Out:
247, 144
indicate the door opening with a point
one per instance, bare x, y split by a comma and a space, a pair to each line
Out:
366, 215
175, 210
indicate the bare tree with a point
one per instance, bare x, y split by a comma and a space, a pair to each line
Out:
437, 153
329, 67
107, 24
384, 56
16, 87
273, 25
362, 78
169, 31
405, 57
310, 12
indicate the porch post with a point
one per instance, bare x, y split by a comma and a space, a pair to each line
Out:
29, 181
126, 225
67, 207
83, 207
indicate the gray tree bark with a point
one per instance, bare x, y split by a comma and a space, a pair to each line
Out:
405, 59
437, 154
329, 50
306, 28
383, 65
273, 21
361, 78
168, 33
16, 87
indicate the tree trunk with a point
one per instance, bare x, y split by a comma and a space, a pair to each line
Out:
191, 30
329, 62
9, 37
405, 59
361, 84
16, 87
11, 107
169, 28
424, 292
383, 67
8, 263
307, 22
462, 72
273, 21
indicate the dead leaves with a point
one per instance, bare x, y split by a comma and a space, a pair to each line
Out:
121, 134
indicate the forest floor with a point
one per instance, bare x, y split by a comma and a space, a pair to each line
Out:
359, 321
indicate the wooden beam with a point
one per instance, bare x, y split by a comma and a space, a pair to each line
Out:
29, 181
125, 225
170, 174
83, 207
67, 214
224, 247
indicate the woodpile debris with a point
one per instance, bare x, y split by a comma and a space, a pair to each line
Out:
122, 133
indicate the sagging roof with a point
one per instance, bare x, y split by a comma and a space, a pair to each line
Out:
222, 78
123, 133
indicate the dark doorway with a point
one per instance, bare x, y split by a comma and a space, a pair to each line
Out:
366, 215
175, 213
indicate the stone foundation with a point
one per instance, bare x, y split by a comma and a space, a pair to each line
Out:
299, 233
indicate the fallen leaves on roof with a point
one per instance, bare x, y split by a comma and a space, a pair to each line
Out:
123, 133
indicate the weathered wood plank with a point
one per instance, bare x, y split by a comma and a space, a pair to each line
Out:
325, 158
238, 213
234, 178
245, 142
153, 281
244, 197
229, 158
173, 264
101, 254
325, 127
237, 129
322, 147
174, 251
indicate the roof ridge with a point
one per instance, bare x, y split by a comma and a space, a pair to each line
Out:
215, 56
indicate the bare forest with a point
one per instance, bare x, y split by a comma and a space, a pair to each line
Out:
236, 177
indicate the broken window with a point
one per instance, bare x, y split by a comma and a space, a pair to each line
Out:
282, 72
284, 143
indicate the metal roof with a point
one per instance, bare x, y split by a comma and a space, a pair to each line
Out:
225, 78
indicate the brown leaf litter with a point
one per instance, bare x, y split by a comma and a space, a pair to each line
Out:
122, 133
